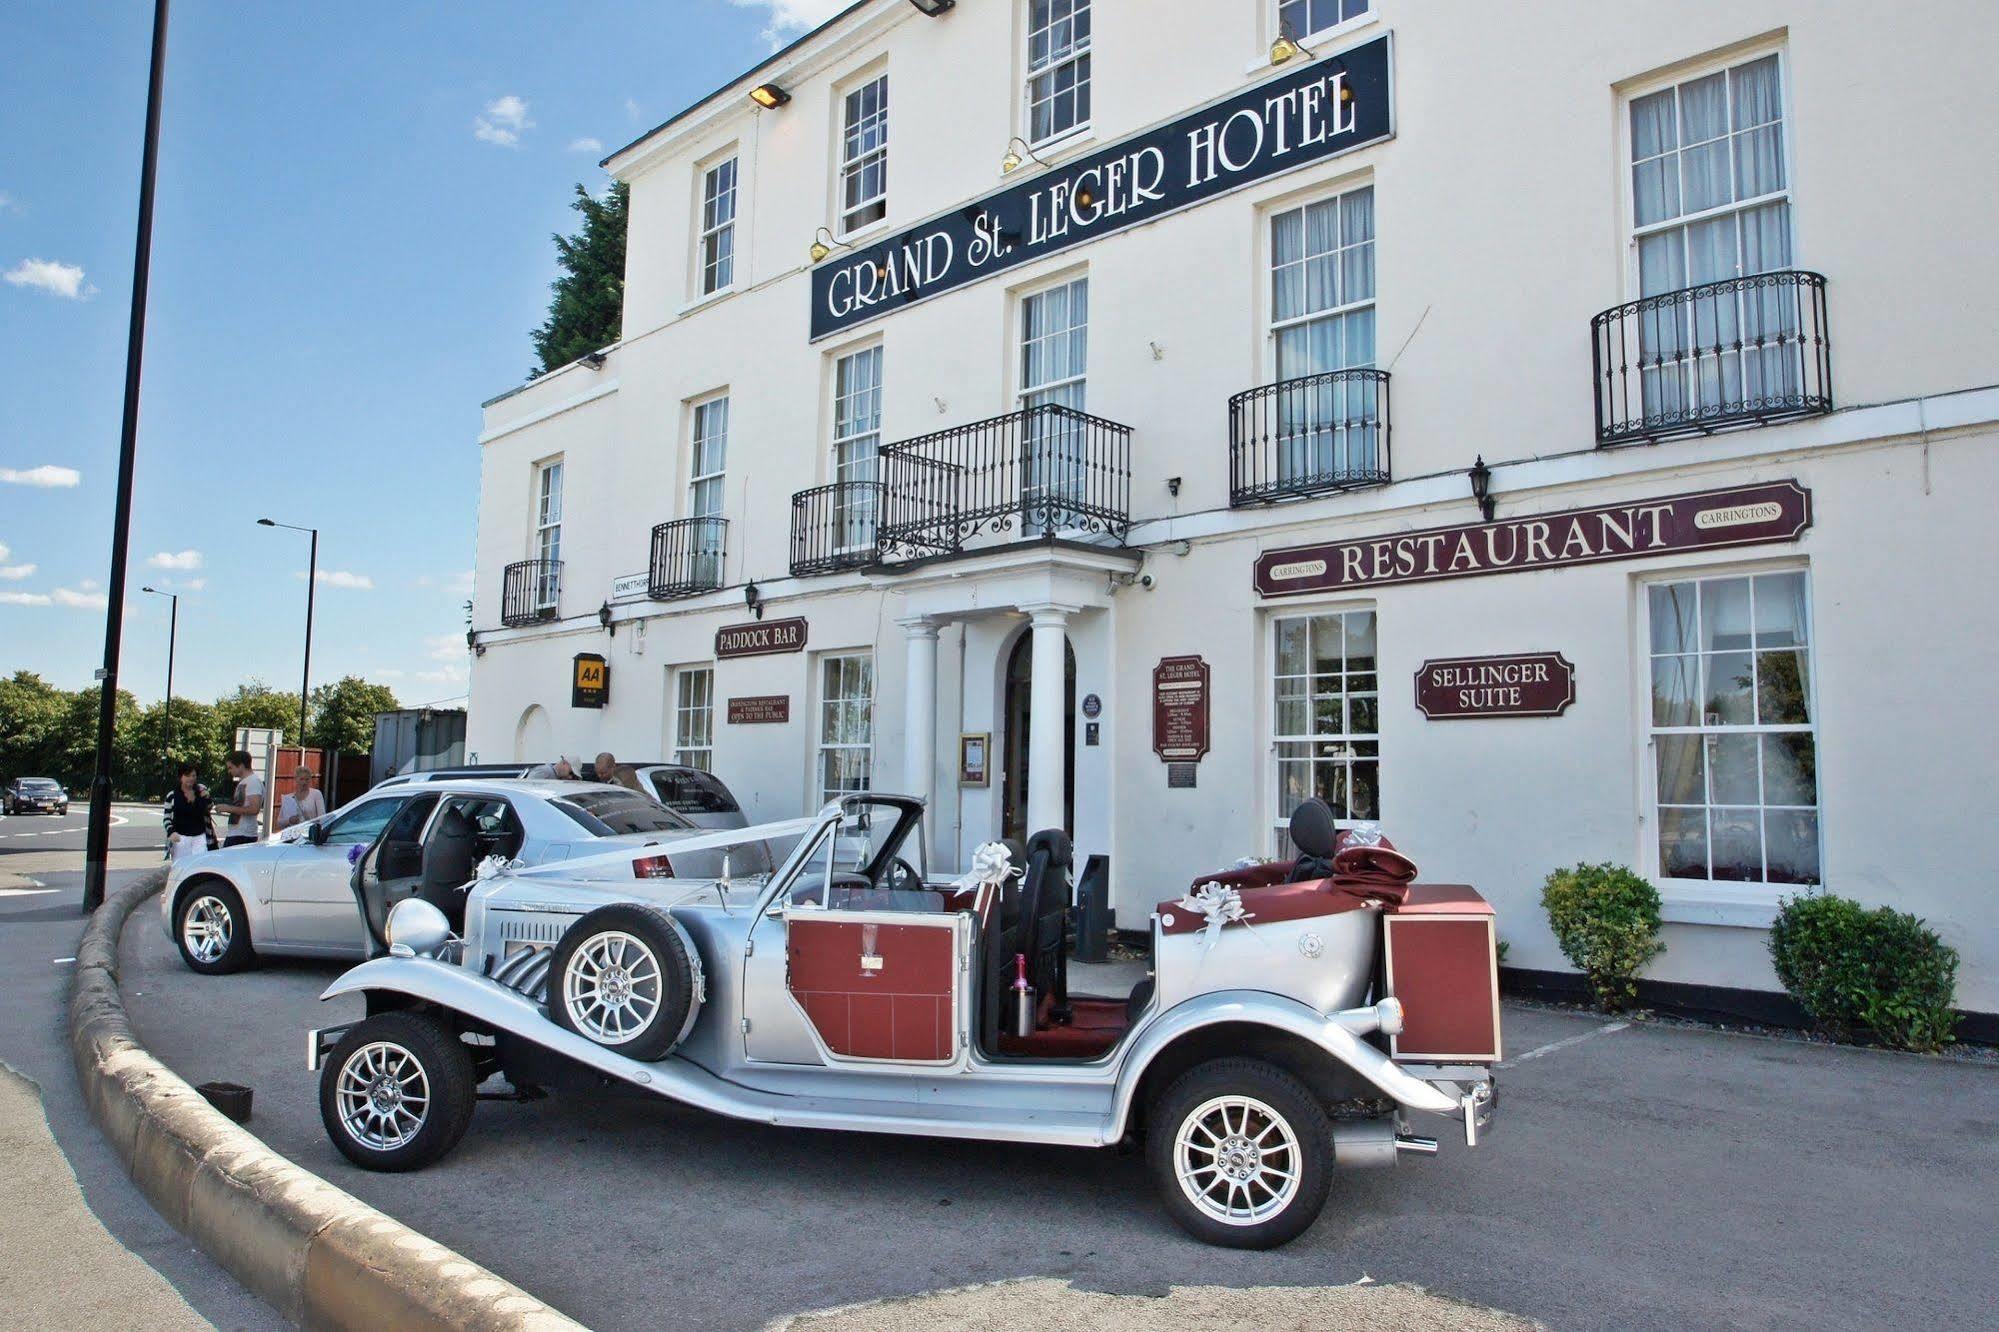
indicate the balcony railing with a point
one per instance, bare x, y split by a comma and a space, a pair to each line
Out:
833, 527
1308, 436
1040, 471
530, 591
687, 557
1744, 351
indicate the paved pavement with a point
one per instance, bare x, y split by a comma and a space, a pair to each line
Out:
1642, 1176
111, 1246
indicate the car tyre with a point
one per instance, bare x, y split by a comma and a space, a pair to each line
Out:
1242, 1153
212, 928
623, 977
398, 1092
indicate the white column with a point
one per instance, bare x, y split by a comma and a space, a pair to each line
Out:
919, 721
1048, 722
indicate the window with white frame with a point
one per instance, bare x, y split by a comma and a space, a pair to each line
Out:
1325, 716
694, 717
1054, 356
1321, 322
707, 479
1733, 732
846, 723
1058, 68
864, 155
857, 423
1711, 201
718, 226
548, 533
1302, 18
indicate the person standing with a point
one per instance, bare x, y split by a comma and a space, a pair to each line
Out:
248, 805
188, 817
303, 803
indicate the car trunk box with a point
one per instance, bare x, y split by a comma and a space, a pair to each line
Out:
1439, 959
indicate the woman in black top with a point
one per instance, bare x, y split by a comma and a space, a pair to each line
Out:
187, 816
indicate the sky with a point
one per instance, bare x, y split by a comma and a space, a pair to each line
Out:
350, 247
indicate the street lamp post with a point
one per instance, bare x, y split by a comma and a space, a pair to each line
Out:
173, 632
311, 582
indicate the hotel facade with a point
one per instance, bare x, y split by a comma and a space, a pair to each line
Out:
1561, 434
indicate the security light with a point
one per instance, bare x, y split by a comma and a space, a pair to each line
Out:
769, 96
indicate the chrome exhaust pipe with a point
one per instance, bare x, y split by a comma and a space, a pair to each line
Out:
1405, 1142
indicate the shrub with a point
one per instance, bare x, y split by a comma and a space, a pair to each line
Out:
1852, 969
1607, 921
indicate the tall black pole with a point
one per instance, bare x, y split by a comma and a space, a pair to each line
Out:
173, 633
97, 846
305, 677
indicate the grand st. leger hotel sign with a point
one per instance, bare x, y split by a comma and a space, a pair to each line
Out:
1331, 104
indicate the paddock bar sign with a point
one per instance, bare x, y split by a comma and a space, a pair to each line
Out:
757, 640
1705, 520
1329, 105
1526, 684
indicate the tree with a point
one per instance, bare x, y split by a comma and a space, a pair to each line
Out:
586, 310
343, 714
31, 719
257, 704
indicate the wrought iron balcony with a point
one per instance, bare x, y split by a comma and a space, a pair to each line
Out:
833, 527
687, 557
1308, 436
1042, 470
1740, 352
530, 591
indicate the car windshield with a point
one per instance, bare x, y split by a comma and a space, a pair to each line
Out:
607, 813
868, 836
38, 784
691, 791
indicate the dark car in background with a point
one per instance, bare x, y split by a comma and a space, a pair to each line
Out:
36, 795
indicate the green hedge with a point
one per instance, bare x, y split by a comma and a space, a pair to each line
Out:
1854, 970
1607, 921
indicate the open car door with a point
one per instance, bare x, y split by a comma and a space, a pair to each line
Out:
391, 869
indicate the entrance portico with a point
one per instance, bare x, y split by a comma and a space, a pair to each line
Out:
1058, 595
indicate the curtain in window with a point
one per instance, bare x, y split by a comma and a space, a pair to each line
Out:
1322, 259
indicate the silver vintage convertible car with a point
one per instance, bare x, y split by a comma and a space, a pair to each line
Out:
1299, 1015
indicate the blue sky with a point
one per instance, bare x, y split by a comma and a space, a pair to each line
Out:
351, 245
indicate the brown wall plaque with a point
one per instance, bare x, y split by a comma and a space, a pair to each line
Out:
1180, 709
1525, 684
756, 640
1706, 520
759, 708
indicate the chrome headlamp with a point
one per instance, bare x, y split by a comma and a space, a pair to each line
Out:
416, 929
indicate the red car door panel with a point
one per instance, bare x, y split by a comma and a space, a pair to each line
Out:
874, 989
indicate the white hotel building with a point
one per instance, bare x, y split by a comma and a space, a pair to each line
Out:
1702, 297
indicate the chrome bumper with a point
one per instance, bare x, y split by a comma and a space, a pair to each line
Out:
319, 1043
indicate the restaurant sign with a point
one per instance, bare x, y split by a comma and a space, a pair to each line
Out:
758, 709
1705, 520
1326, 106
1525, 684
1180, 709
757, 640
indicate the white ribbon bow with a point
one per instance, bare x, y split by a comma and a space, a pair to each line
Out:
1221, 905
493, 867
992, 864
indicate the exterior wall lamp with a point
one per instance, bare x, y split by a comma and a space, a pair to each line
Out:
769, 96
1287, 46
1013, 158
604, 618
934, 8
823, 242
1481, 487
753, 599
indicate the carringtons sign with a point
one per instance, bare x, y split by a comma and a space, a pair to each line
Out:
1326, 106
1706, 520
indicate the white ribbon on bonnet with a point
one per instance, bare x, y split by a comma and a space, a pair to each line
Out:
1221, 905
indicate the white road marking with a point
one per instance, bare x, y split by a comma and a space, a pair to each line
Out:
27, 892
1552, 1046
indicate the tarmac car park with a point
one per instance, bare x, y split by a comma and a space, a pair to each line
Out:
298, 893
1298, 1016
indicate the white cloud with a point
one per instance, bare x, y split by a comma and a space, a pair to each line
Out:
445, 647
342, 578
194, 584
8, 204
84, 598
789, 18
51, 276
47, 476
445, 675
586, 144
503, 121
631, 108
23, 599
12, 573
461, 583
185, 559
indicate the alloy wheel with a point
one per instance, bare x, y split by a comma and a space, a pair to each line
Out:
207, 928
612, 987
383, 1096
1237, 1160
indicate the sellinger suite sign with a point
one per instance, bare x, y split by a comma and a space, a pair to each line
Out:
1328, 105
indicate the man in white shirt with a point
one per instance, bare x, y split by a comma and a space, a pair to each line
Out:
248, 806
303, 803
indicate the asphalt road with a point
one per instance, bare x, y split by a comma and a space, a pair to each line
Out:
41, 892
1643, 1176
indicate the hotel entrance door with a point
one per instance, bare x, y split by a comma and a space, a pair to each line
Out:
1013, 793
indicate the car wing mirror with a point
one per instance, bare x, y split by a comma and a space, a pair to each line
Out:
315, 832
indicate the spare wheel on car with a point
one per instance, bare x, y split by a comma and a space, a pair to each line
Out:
627, 977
